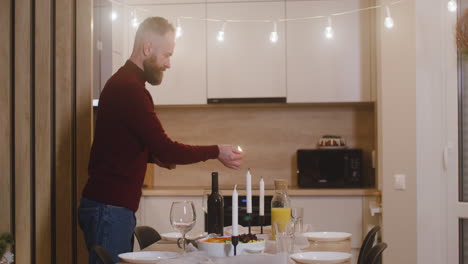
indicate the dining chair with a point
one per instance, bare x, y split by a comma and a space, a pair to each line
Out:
367, 244
102, 254
375, 254
146, 236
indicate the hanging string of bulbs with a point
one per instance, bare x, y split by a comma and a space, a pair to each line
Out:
274, 37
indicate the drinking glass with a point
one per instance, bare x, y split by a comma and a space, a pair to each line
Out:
206, 193
284, 235
297, 214
183, 218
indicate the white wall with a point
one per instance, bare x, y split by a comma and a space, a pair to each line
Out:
417, 68
397, 133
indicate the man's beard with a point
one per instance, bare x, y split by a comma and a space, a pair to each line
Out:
153, 73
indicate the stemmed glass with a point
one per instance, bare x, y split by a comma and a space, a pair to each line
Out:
206, 193
183, 218
297, 214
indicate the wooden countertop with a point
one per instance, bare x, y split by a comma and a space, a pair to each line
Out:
294, 191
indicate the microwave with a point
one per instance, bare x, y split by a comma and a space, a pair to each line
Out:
330, 168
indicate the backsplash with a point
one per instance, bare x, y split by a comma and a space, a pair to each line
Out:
268, 134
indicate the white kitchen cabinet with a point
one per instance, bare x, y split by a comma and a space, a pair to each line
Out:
246, 64
328, 70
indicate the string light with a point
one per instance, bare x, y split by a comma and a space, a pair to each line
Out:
452, 5
220, 36
178, 29
114, 15
274, 34
329, 30
388, 19
135, 20
274, 37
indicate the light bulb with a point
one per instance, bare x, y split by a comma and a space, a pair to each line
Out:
220, 36
178, 29
329, 30
452, 6
388, 19
274, 34
274, 37
114, 15
389, 22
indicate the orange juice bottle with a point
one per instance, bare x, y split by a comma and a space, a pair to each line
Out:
280, 206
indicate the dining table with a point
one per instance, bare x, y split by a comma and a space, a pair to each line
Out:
269, 256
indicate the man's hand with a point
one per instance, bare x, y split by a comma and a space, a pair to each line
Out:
230, 156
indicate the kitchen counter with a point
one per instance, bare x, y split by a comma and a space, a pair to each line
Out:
294, 191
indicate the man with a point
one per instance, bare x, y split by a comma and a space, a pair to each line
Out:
128, 134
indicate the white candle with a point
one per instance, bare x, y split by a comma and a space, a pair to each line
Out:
249, 192
262, 197
235, 230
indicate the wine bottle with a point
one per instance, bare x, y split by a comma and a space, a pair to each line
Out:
215, 208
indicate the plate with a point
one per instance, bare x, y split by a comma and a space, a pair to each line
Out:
173, 236
147, 256
321, 257
327, 236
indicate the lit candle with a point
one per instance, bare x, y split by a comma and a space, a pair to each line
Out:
239, 148
235, 231
262, 197
249, 192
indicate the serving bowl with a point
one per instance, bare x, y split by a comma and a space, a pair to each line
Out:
222, 249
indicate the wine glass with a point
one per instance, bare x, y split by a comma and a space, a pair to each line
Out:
206, 193
297, 214
183, 218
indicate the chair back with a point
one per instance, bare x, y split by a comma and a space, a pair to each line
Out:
102, 254
367, 244
146, 236
375, 255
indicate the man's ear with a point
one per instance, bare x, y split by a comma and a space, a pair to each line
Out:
147, 48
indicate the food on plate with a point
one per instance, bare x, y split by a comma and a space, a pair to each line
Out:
244, 238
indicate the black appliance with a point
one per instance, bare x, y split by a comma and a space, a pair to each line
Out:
331, 168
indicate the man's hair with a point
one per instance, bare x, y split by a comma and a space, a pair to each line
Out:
156, 25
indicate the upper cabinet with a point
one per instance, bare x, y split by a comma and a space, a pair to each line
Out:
328, 70
302, 66
246, 64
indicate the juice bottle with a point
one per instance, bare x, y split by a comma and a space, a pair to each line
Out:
280, 206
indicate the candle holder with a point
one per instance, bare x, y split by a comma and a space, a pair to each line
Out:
235, 241
249, 215
262, 223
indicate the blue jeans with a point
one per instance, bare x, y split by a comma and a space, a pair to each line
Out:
108, 226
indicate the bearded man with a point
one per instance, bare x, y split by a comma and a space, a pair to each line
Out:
128, 134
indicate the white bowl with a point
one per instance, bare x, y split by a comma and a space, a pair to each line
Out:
327, 236
321, 257
226, 250
147, 256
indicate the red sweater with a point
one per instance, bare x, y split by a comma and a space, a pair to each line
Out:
128, 134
